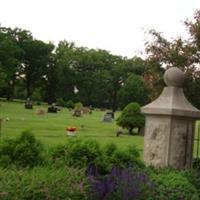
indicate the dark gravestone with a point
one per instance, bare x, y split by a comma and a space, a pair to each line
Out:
52, 109
77, 113
28, 104
108, 117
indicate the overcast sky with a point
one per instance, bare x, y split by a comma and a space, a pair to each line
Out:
115, 25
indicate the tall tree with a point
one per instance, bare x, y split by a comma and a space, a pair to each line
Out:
177, 52
64, 69
36, 60
133, 90
10, 59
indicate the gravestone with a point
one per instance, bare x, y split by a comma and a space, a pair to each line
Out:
108, 117
169, 125
52, 109
77, 113
28, 104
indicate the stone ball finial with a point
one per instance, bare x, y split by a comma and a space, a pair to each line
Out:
174, 77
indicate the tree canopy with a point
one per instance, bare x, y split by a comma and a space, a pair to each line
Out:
45, 72
131, 117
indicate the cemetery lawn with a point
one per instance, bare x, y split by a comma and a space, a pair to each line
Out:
50, 128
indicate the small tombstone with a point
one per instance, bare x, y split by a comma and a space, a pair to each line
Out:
103, 109
77, 113
85, 110
119, 131
111, 113
40, 111
28, 104
108, 117
52, 109
141, 131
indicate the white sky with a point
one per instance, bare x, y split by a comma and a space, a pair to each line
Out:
115, 25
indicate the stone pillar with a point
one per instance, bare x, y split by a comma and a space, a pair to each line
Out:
169, 125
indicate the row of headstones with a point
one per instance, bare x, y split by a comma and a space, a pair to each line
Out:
108, 116
51, 109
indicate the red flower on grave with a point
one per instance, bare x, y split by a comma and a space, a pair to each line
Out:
71, 129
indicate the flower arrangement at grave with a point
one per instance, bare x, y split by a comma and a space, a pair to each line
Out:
71, 130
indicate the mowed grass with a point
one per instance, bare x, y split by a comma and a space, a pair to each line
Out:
50, 128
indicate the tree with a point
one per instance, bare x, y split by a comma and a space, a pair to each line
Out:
64, 70
131, 117
133, 90
36, 60
10, 59
184, 54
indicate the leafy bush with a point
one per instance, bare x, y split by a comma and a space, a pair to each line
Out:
78, 105
41, 183
120, 184
23, 151
60, 102
172, 185
111, 157
131, 117
196, 163
76, 153
79, 153
193, 177
37, 96
70, 104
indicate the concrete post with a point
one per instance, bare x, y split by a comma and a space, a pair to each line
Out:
169, 125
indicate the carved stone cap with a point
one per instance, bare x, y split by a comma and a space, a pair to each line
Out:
172, 100
174, 77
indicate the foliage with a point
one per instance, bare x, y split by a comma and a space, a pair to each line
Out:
78, 105
133, 90
69, 104
42, 183
60, 102
131, 117
76, 153
196, 163
177, 52
24, 151
36, 59
120, 184
112, 156
79, 154
171, 185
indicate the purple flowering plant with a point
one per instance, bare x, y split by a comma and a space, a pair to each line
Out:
120, 184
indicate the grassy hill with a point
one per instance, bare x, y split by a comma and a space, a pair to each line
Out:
50, 128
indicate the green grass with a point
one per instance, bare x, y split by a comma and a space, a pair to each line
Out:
50, 127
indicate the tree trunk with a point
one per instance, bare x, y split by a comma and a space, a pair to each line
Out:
28, 89
114, 101
131, 130
11, 89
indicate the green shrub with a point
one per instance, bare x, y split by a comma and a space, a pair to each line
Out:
60, 102
69, 104
196, 163
37, 96
193, 177
131, 117
41, 183
23, 151
111, 157
76, 153
172, 185
78, 105
79, 154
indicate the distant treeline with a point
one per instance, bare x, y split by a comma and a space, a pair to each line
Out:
45, 72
